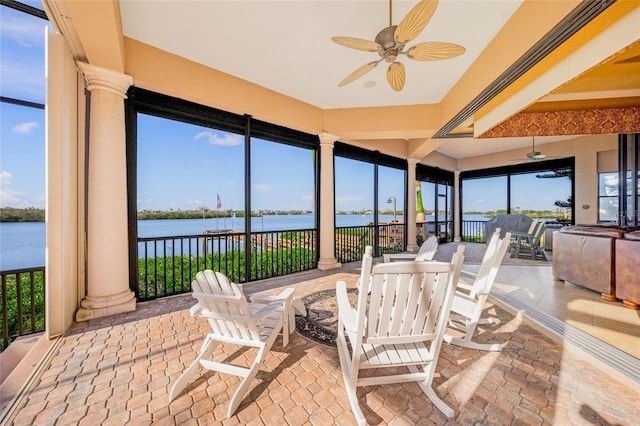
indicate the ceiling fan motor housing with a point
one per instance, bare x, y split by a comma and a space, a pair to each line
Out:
389, 48
536, 155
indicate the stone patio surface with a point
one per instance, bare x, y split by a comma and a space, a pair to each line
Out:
119, 370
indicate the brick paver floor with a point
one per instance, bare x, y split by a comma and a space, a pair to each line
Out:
119, 370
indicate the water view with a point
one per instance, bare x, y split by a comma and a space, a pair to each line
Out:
23, 243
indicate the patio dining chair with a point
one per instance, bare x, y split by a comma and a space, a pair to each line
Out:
426, 252
469, 299
400, 324
234, 320
528, 245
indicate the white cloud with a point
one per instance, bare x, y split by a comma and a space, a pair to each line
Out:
145, 201
228, 139
191, 200
261, 187
8, 197
25, 128
24, 30
349, 199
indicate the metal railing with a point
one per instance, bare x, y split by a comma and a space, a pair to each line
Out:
472, 231
351, 241
167, 265
22, 294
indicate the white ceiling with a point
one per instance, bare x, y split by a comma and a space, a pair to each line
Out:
286, 45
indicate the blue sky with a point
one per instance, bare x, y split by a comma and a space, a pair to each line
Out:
183, 166
22, 167
186, 167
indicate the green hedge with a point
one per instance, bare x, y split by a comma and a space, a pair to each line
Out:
165, 276
27, 322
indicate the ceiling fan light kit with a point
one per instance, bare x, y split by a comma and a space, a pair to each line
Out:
390, 43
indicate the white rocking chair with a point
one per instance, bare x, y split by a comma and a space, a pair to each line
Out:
401, 324
234, 320
426, 252
469, 300
365, 269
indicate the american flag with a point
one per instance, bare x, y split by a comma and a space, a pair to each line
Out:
219, 202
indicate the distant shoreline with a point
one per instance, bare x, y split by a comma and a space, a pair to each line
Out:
14, 215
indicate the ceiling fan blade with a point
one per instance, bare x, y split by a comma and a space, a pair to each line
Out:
412, 25
435, 51
357, 43
396, 76
358, 73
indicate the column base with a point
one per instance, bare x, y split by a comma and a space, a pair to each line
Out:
327, 264
412, 247
99, 307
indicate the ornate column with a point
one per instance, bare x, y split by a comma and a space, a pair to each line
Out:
410, 217
457, 224
107, 241
327, 205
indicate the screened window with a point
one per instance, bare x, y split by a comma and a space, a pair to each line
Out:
354, 191
484, 197
282, 181
185, 167
22, 91
541, 195
391, 183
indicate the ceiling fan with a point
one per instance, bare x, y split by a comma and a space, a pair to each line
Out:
535, 155
390, 43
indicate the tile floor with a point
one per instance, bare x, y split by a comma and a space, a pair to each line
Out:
119, 370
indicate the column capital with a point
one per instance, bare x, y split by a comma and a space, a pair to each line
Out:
106, 79
412, 161
328, 138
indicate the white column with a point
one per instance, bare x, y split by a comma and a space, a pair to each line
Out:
107, 240
327, 205
457, 224
410, 217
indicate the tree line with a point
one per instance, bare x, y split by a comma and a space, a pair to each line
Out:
30, 214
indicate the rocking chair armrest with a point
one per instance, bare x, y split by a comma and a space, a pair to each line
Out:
390, 257
469, 273
464, 287
345, 310
465, 296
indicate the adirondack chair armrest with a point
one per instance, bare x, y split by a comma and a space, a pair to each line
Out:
267, 309
286, 294
345, 310
195, 310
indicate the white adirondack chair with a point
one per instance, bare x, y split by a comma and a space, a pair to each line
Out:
234, 320
469, 300
401, 323
426, 252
